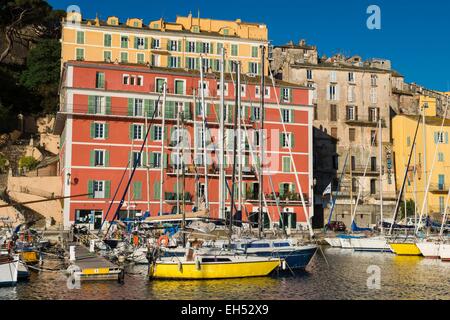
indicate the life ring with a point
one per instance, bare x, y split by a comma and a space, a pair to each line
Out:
163, 240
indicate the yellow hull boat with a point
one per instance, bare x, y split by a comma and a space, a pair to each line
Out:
213, 268
405, 249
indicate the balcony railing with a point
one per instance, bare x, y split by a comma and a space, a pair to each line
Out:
365, 122
359, 170
172, 196
289, 197
439, 188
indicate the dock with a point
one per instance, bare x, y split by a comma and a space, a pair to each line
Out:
91, 266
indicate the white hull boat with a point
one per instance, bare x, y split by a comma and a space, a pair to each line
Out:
346, 243
444, 252
9, 267
429, 250
334, 242
374, 244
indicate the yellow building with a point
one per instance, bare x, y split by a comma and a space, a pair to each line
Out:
403, 129
165, 44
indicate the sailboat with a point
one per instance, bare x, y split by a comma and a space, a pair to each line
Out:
9, 269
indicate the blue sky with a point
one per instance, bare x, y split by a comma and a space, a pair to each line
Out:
414, 35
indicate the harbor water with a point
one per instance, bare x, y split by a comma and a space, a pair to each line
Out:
338, 274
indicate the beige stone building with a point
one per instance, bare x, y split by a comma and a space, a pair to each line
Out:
351, 95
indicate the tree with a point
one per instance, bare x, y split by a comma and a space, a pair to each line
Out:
410, 206
21, 21
42, 73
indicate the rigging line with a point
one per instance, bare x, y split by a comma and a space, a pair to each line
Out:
305, 211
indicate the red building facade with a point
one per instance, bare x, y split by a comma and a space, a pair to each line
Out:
106, 110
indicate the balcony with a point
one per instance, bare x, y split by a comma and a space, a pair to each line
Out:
248, 173
289, 198
171, 197
439, 188
365, 122
359, 170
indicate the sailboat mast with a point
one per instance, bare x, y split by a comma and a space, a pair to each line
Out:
147, 164
239, 139
261, 142
205, 155
178, 112
380, 150
162, 161
425, 181
222, 137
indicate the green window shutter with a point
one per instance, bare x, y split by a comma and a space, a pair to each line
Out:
198, 107
292, 140
130, 106
156, 190
197, 63
198, 47
249, 66
211, 47
286, 164
107, 189
107, 40
259, 69
179, 87
147, 108
179, 46
166, 162
209, 109
290, 95
234, 50
292, 116
108, 105
106, 158
137, 190
281, 139
106, 130
92, 158
219, 48
152, 133
131, 131
135, 42
91, 102
80, 37
254, 52
146, 43
90, 189
92, 130
170, 109
187, 111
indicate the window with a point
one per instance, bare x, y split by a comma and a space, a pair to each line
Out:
373, 80
353, 163
333, 112
174, 62
179, 87
157, 133
441, 157
190, 46
351, 94
309, 74
333, 76
286, 140
107, 56
155, 60
373, 138
126, 79
156, 43
140, 43
243, 90
286, 94
107, 40
373, 114
100, 80
124, 57
255, 52
99, 107
253, 67
334, 132
173, 45
352, 134
408, 141
225, 89
351, 77
316, 115
256, 113
99, 189
373, 95
99, 130
140, 81
99, 158
138, 108
287, 115
160, 85
80, 54
124, 42
256, 138
354, 185
234, 50
80, 37
138, 132
373, 164
442, 205
373, 186
287, 167
441, 137
332, 92
351, 113
156, 160
132, 80
206, 64
441, 182
140, 58
136, 158
190, 63
206, 46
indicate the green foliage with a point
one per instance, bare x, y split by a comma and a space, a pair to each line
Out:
29, 163
410, 205
3, 162
42, 73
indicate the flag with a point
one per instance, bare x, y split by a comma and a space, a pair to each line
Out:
327, 190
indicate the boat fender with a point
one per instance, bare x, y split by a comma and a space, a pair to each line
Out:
198, 265
180, 266
283, 264
121, 277
163, 241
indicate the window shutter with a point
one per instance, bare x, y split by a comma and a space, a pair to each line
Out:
106, 130
146, 43
131, 131
198, 47
187, 111
197, 63
156, 190
211, 47
290, 95
108, 105
337, 92
147, 108
446, 138
91, 102
107, 189
356, 113
179, 46
170, 110
292, 140
137, 190
281, 189
91, 189
165, 162
92, 130
292, 116
328, 92
92, 158
130, 106
106, 158
281, 139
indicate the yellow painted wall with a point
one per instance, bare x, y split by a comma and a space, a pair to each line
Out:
403, 129
247, 36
